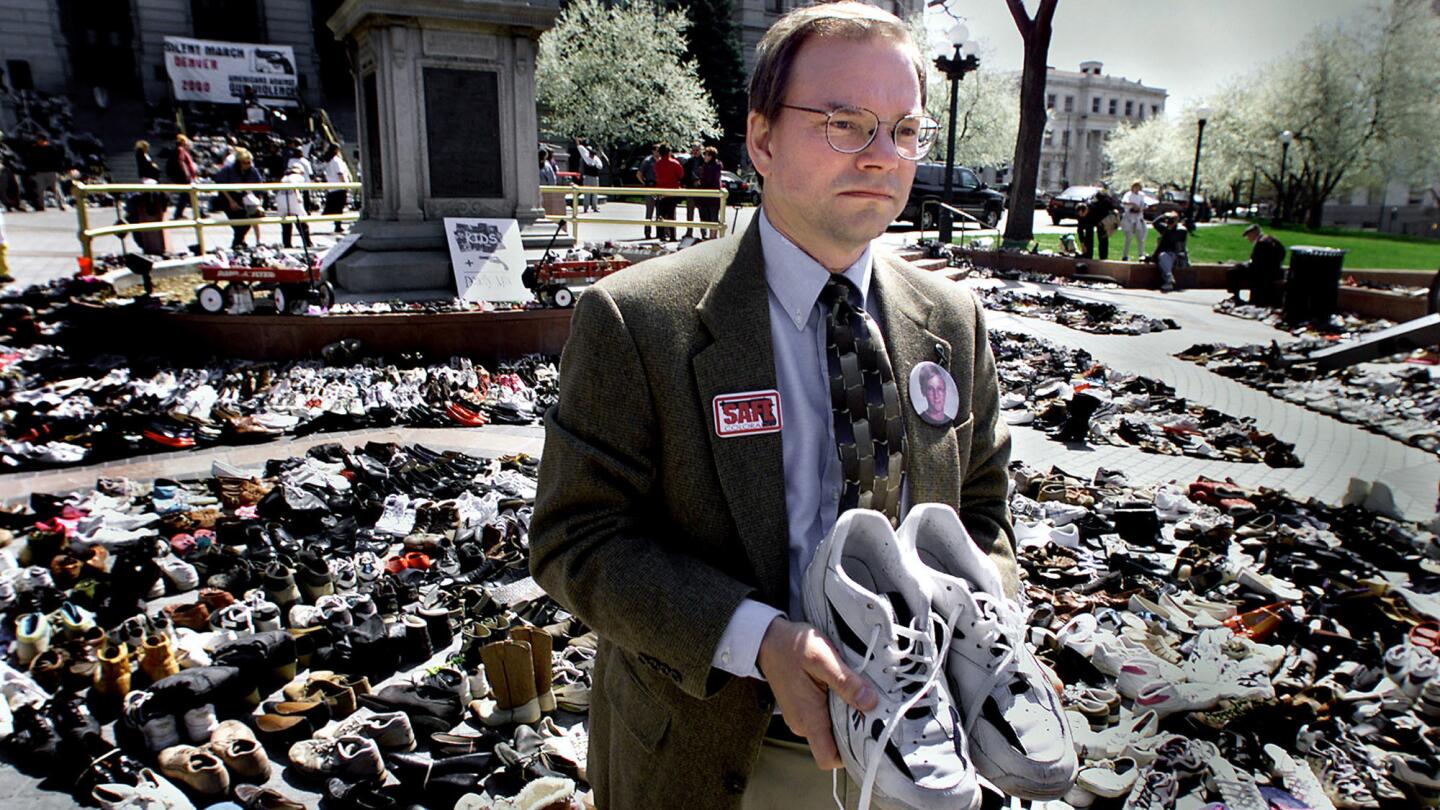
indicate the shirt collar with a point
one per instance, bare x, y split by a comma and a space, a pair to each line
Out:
796, 279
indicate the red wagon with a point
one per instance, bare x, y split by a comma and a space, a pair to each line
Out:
291, 289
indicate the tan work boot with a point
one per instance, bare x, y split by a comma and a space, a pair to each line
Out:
112, 677
511, 671
157, 660
540, 647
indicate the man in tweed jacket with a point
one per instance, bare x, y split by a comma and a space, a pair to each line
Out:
677, 539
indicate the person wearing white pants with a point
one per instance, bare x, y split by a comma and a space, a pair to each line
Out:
1132, 221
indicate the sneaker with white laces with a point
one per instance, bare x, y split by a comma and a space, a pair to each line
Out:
150, 792
1018, 735
861, 592
1237, 788
1158, 786
398, 515
235, 617
33, 578
1339, 773
514, 483
391, 731
158, 729
182, 575
368, 569
1297, 778
343, 574
352, 758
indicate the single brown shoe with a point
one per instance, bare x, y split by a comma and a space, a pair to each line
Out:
541, 645
264, 798
199, 770
112, 677
65, 568
277, 728
510, 669
49, 668
340, 698
235, 744
84, 658
157, 659
195, 617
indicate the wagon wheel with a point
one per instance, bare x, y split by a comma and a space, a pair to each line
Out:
211, 299
325, 295
283, 298
563, 297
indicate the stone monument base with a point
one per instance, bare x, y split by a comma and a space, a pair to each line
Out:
410, 256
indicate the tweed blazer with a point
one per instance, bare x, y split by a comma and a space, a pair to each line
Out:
652, 529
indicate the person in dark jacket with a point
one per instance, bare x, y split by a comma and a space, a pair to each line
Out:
1170, 248
710, 178
144, 164
1263, 274
1092, 223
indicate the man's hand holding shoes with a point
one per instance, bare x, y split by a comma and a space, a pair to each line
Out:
802, 668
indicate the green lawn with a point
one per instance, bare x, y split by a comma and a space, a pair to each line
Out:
1223, 243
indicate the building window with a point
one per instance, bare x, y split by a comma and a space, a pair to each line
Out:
1065, 139
1095, 104
1114, 105
1069, 104
1049, 137
1050, 101
775, 6
228, 20
1129, 108
1045, 171
1154, 109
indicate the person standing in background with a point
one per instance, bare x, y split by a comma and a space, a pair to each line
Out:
646, 176
336, 171
1132, 220
710, 176
668, 174
181, 169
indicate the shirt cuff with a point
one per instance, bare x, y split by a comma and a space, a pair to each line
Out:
739, 647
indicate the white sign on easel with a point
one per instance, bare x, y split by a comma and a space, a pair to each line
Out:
488, 258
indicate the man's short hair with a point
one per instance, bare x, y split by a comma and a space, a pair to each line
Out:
242, 155
1253, 229
775, 55
710, 152
664, 149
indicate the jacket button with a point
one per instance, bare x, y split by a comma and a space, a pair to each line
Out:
734, 784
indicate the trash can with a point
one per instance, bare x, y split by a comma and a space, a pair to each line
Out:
1313, 283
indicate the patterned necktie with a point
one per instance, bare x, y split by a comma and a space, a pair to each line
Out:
869, 430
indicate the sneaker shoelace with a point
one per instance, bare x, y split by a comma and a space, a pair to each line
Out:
999, 636
919, 667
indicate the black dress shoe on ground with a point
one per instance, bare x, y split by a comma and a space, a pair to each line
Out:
192, 688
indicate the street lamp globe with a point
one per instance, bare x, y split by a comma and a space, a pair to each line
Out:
958, 35
1202, 114
1286, 137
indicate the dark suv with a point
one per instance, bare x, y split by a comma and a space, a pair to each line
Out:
971, 196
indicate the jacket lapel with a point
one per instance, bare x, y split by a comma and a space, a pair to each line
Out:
931, 457
751, 469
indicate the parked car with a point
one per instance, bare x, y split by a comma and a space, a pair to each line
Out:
1041, 195
971, 196
1062, 206
740, 190
1174, 200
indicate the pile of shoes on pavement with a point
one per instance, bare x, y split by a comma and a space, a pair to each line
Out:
1398, 400
1076, 399
1341, 325
1097, 317
57, 409
1232, 641
294, 633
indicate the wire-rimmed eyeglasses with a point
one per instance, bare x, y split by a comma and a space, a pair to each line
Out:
851, 129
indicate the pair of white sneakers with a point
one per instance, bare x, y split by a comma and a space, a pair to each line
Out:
921, 613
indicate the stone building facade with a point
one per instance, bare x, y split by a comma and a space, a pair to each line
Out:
1085, 106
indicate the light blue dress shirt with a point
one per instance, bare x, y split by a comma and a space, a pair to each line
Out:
812, 467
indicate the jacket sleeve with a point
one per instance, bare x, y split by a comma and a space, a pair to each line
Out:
590, 545
984, 489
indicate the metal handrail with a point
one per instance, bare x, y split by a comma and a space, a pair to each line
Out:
572, 204
952, 209
87, 233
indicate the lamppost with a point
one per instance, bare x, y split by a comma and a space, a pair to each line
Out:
1201, 115
954, 66
1284, 185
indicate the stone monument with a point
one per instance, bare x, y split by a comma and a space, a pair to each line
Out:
445, 93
